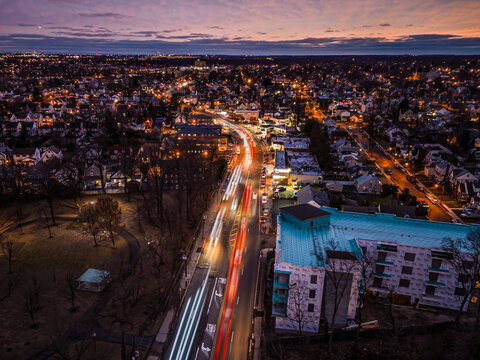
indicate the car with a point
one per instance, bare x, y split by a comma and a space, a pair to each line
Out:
266, 211
398, 166
264, 176
455, 221
254, 196
281, 188
295, 194
388, 171
295, 186
433, 200
423, 203
264, 198
419, 187
466, 214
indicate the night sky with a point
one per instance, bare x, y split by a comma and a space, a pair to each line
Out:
236, 27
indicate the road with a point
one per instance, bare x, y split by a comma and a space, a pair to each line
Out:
215, 319
398, 177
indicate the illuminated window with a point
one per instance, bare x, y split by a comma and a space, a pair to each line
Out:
474, 299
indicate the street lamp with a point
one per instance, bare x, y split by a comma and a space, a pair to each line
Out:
184, 258
204, 217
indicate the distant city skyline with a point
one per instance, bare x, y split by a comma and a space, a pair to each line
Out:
224, 27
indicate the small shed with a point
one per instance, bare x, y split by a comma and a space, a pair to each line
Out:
93, 280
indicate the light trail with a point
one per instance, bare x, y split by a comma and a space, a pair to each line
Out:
232, 184
234, 275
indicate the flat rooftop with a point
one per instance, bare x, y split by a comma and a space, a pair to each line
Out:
298, 244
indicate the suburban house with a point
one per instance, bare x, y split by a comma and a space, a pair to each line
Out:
368, 184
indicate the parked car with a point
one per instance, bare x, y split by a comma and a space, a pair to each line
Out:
295, 186
419, 187
433, 200
388, 171
264, 198
281, 188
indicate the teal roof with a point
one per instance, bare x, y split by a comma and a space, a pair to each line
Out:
94, 276
388, 227
298, 241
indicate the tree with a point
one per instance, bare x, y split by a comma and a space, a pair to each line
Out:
128, 164
31, 299
71, 287
88, 212
367, 267
297, 298
465, 262
389, 190
9, 249
45, 218
340, 266
109, 215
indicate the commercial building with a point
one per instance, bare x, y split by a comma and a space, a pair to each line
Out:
408, 257
301, 167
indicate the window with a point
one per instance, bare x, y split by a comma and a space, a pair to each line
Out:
382, 255
313, 279
432, 276
280, 306
463, 278
409, 257
377, 282
460, 291
311, 307
404, 283
467, 264
379, 269
311, 294
437, 263
430, 290
407, 270
281, 292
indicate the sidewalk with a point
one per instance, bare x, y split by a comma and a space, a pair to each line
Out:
259, 301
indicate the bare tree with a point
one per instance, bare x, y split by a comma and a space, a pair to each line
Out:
31, 301
465, 262
88, 212
9, 249
340, 266
128, 164
367, 266
297, 297
46, 221
71, 289
109, 215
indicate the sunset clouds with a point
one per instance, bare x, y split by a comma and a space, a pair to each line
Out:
242, 27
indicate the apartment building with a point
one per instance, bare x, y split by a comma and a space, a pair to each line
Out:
407, 253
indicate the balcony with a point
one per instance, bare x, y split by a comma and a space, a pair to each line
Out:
279, 284
382, 275
279, 298
384, 262
434, 283
279, 312
439, 270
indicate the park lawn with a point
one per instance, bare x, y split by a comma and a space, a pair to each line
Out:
48, 261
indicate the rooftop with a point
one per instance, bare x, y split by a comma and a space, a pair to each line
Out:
298, 243
305, 212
